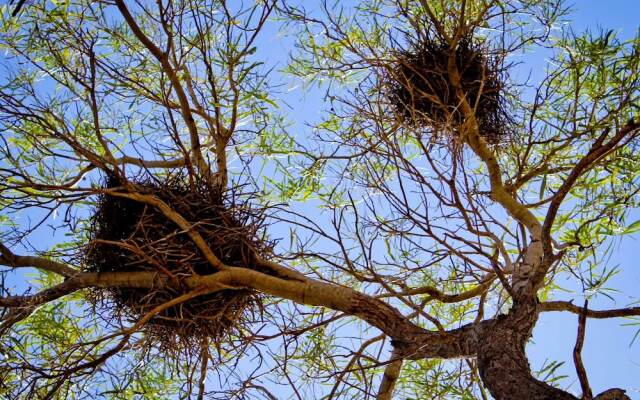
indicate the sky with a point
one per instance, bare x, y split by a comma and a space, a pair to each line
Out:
610, 354
610, 357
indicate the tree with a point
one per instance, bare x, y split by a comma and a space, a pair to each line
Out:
148, 161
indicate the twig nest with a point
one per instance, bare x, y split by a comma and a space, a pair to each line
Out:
421, 92
129, 236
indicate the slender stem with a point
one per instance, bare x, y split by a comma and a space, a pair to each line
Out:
577, 354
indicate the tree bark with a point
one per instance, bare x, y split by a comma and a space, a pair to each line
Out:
502, 361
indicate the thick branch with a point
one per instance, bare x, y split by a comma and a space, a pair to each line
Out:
410, 341
498, 343
502, 361
503, 364
42, 297
472, 132
525, 279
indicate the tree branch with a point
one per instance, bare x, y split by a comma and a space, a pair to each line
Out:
598, 150
39, 298
567, 306
179, 162
185, 107
443, 297
390, 377
8, 258
577, 354
411, 341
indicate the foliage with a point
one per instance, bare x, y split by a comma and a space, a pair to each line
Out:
400, 264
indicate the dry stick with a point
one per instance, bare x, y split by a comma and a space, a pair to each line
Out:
178, 220
577, 354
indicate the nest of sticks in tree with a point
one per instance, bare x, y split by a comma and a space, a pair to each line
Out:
129, 236
420, 91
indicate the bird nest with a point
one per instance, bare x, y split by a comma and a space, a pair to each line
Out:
130, 236
420, 91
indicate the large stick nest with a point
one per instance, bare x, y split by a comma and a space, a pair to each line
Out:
421, 92
129, 236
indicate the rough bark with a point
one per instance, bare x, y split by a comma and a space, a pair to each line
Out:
502, 361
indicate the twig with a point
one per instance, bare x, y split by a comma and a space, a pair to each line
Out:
577, 354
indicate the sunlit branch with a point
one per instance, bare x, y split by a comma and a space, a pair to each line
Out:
8, 258
598, 314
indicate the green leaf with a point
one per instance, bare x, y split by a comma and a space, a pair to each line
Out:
633, 228
543, 186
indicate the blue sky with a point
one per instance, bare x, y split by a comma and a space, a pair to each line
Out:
610, 358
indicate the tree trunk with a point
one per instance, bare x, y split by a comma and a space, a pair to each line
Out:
502, 361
